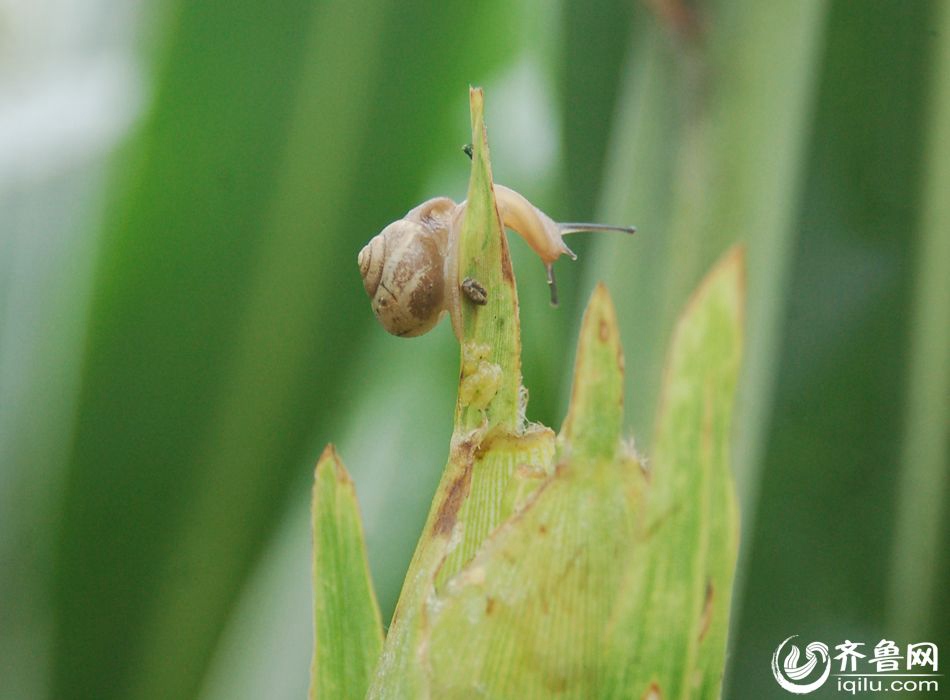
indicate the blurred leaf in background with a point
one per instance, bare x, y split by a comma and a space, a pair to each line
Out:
69, 90
831, 464
178, 337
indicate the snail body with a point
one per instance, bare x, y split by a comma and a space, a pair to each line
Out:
537, 228
410, 269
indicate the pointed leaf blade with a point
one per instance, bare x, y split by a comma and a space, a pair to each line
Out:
595, 417
531, 613
692, 518
348, 631
495, 460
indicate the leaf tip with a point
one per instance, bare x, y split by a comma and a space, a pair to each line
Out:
725, 282
733, 263
729, 272
595, 414
330, 460
602, 311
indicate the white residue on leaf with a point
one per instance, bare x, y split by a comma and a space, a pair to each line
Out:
480, 378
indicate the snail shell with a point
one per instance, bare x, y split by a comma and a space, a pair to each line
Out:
403, 269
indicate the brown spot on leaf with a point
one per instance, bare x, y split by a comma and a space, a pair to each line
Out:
457, 491
506, 270
542, 529
706, 616
653, 692
448, 512
604, 330
489, 605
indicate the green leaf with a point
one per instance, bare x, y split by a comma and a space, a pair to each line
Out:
573, 573
530, 614
924, 474
830, 454
495, 459
691, 519
595, 418
490, 385
227, 314
612, 582
348, 631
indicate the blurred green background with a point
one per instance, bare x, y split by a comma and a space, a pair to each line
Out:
184, 186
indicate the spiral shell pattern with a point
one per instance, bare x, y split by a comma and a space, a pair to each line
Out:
403, 274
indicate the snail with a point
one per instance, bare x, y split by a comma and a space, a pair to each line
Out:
410, 269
